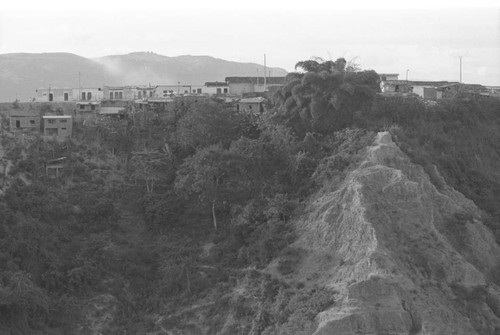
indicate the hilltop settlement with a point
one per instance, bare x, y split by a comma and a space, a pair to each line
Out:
246, 94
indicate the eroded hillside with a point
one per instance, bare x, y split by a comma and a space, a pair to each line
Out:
404, 257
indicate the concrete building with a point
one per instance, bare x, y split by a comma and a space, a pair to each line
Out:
388, 76
216, 88
58, 127
163, 91
53, 94
143, 92
114, 113
87, 110
251, 105
87, 94
118, 93
242, 86
20, 120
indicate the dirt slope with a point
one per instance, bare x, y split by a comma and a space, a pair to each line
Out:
404, 257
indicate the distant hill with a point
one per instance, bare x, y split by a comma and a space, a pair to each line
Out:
23, 73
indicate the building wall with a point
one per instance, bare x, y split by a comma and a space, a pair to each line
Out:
54, 94
241, 88
24, 123
426, 92
246, 107
58, 128
87, 94
118, 93
162, 91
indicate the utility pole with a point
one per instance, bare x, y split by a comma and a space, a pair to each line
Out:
460, 69
265, 73
79, 87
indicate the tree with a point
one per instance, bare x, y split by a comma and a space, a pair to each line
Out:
151, 166
324, 97
205, 124
215, 175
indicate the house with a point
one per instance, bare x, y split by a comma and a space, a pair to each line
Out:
451, 90
88, 107
493, 90
251, 105
53, 166
87, 110
163, 91
247, 85
143, 92
113, 113
57, 127
53, 94
396, 86
118, 93
87, 94
216, 88
424, 89
388, 76
20, 120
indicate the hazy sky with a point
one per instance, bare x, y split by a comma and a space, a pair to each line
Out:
427, 37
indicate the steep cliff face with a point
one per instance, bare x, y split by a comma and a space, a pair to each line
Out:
404, 257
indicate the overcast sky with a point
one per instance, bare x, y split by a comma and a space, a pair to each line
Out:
427, 38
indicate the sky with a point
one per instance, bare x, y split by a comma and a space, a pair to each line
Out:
422, 40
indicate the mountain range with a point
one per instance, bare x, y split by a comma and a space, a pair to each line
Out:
22, 73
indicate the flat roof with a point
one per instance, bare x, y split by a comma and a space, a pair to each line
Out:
252, 100
57, 116
111, 110
83, 102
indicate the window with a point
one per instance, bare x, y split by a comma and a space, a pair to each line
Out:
83, 95
225, 90
82, 106
139, 94
66, 96
219, 91
51, 97
120, 95
150, 93
51, 121
92, 107
89, 95
63, 128
111, 95
116, 95
32, 121
198, 90
18, 124
63, 121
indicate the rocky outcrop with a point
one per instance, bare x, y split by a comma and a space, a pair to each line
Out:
404, 257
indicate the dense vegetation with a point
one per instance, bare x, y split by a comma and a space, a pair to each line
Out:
165, 211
